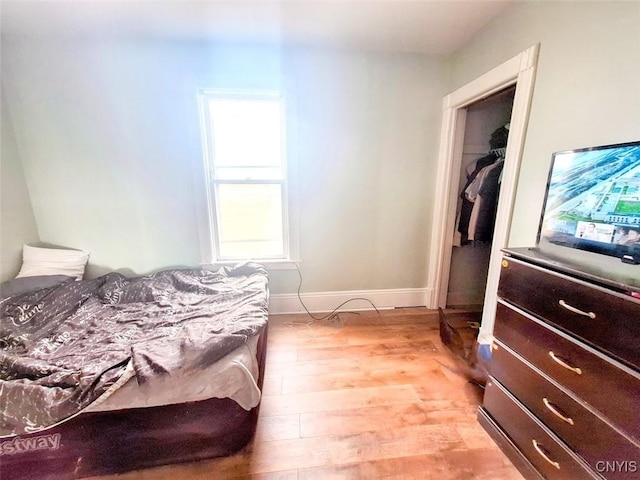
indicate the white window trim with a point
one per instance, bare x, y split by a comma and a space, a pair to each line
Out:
207, 211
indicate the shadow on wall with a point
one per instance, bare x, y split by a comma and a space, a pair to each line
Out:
94, 271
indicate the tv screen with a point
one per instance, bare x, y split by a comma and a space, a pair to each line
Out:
593, 201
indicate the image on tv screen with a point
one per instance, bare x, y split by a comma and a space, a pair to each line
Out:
593, 199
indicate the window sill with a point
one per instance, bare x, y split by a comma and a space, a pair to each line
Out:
268, 264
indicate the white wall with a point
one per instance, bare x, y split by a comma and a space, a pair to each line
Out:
99, 130
17, 223
368, 130
586, 91
109, 140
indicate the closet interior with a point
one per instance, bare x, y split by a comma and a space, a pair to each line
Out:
485, 141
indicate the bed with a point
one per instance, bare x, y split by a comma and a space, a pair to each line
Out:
115, 374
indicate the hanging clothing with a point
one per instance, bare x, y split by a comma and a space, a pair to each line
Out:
483, 215
474, 187
467, 205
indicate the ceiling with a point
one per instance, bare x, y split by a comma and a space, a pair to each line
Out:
426, 26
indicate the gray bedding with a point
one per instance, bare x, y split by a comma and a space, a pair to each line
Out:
62, 347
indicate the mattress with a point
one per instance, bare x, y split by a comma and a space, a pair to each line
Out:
114, 441
114, 343
115, 374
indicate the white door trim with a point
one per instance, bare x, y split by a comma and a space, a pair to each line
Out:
519, 70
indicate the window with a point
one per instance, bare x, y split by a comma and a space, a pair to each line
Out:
245, 163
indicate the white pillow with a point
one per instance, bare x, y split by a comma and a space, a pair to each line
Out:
52, 261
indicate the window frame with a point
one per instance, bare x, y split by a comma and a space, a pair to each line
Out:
210, 234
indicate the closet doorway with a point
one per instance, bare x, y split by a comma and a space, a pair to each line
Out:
485, 140
517, 73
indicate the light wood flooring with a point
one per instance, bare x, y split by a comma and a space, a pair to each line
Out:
364, 396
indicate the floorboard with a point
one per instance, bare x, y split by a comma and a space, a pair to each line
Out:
363, 396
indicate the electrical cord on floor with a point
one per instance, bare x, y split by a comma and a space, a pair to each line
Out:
334, 315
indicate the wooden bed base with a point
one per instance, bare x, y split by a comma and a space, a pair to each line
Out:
113, 442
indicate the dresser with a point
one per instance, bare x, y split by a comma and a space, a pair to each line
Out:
563, 396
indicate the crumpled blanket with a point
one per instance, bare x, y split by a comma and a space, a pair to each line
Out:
62, 347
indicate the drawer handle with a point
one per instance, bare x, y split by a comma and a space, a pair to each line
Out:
544, 454
556, 411
561, 362
576, 310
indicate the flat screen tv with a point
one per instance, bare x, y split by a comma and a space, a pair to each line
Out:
592, 201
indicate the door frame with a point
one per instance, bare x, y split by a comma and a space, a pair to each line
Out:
519, 70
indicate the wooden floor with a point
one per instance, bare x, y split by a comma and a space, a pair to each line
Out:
364, 396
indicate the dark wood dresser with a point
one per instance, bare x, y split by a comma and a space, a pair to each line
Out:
563, 396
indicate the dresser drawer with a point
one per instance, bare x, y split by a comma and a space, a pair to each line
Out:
552, 459
555, 298
587, 434
613, 391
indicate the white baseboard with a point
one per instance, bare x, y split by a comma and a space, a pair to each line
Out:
328, 301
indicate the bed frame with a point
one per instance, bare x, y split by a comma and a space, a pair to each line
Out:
100, 443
